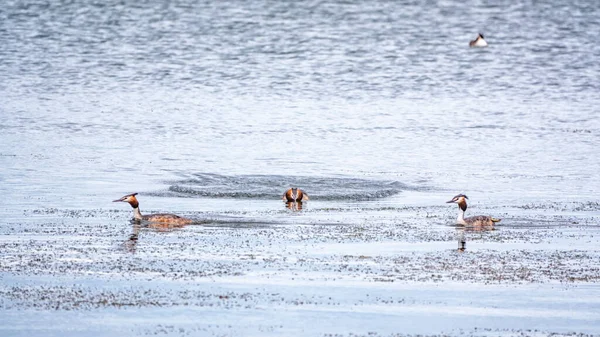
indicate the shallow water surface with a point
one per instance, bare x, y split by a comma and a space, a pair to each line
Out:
378, 110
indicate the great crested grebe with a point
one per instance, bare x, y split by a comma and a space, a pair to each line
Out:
478, 220
478, 42
161, 217
295, 194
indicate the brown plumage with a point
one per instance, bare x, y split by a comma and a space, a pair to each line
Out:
165, 218
478, 220
295, 194
478, 42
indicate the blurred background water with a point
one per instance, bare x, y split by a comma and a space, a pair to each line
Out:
112, 97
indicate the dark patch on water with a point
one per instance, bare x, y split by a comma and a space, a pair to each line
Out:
273, 186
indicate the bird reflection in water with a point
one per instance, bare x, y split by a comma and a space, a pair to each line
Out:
462, 241
461, 236
132, 241
294, 205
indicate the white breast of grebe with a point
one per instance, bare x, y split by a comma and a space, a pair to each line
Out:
480, 43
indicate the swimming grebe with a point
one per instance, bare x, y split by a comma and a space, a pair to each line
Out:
162, 217
295, 194
478, 42
478, 220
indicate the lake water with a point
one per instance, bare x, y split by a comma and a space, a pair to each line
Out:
379, 110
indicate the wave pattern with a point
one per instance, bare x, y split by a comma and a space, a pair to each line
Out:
273, 186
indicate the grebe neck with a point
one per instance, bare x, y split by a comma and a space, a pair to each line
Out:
461, 217
137, 214
461, 214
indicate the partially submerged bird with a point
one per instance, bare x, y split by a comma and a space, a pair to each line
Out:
295, 194
161, 217
478, 42
478, 220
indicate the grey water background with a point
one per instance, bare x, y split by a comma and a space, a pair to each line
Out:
121, 94
214, 106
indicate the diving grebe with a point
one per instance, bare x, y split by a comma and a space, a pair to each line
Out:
478, 42
162, 217
478, 220
295, 194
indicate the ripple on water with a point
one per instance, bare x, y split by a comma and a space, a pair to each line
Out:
273, 186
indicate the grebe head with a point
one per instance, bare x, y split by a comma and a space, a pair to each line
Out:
130, 198
458, 198
478, 42
461, 200
294, 194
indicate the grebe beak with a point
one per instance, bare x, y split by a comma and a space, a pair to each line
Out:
449, 202
122, 199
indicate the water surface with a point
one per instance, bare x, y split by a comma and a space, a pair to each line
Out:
379, 110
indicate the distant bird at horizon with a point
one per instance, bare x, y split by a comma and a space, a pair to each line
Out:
478, 42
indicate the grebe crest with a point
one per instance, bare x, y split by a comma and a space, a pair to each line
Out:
161, 217
478, 42
131, 199
478, 220
295, 194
